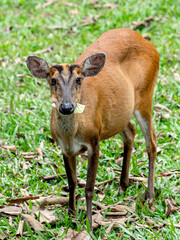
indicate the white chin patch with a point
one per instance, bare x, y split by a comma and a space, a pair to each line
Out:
54, 105
79, 108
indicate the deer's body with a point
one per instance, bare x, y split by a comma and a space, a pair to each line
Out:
122, 88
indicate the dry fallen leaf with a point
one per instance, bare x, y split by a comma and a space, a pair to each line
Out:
116, 221
25, 165
53, 200
170, 207
33, 222
95, 218
22, 199
159, 107
45, 215
98, 204
101, 197
122, 213
109, 228
169, 173
81, 183
72, 234
147, 36
24, 192
11, 210
20, 228
176, 225
10, 148
138, 179
82, 236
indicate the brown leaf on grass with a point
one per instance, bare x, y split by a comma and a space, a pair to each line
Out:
72, 234
11, 210
100, 205
53, 200
81, 183
101, 197
45, 215
121, 208
153, 224
24, 192
20, 228
147, 36
33, 222
40, 153
138, 179
95, 218
105, 222
122, 213
159, 107
176, 225
10, 148
169, 173
109, 228
136, 25
142, 24
22, 199
170, 207
25, 166
29, 155
82, 236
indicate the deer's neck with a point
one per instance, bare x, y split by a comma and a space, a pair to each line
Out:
67, 124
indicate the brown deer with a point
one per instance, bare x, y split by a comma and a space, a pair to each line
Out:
94, 99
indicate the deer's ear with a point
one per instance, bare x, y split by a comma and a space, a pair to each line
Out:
37, 66
93, 64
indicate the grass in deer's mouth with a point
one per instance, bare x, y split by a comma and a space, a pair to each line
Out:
60, 32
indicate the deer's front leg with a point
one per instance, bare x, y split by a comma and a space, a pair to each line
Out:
93, 158
70, 165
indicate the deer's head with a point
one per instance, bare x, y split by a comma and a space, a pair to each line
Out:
65, 80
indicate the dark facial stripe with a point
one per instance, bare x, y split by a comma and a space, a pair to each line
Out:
72, 67
59, 68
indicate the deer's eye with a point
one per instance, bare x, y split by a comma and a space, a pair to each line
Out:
53, 81
78, 81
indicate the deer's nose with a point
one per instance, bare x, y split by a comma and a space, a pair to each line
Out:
66, 108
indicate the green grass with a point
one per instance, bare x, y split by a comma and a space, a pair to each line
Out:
25, 29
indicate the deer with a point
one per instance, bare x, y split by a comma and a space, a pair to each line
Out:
94, 99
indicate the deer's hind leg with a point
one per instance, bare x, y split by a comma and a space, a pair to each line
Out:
143, 117
128, 139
